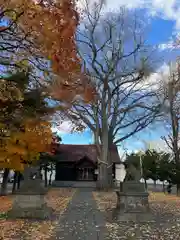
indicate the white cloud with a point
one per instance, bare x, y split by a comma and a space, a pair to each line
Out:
114, 4
170, 45
121, 153
159, 145
154, 80
64, 128
161, 73
164, 46
168, 9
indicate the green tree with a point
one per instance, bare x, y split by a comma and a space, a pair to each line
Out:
165, 168
141, 163
150, 161
155, 165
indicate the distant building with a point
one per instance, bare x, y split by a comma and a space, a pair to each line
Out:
80, 163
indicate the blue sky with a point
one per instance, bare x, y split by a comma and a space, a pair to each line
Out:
163, 19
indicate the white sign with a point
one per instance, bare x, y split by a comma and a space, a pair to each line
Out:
120, 172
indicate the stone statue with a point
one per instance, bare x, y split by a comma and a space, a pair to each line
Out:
132, 199
132, 173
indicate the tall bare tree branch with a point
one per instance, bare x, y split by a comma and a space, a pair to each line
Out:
118, 62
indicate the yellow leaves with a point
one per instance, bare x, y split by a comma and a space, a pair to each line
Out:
23, 64
37, 7
15, 149
57, 199
15, 163
11, 15
2, 125
9, 91
25, 145
46, 74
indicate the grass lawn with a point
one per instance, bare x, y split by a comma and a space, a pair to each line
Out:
57, 199
167, 227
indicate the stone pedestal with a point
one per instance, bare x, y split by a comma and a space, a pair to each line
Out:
132, 203
29, 201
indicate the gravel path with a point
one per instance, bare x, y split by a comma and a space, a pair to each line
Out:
82, 220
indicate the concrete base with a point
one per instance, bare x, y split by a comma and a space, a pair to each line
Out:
30, 206
133, 187
29, 201
132, 203
133, 207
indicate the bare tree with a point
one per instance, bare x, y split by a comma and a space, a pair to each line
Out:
171, 91
117, 61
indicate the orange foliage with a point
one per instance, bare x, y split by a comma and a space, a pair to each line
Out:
68, 92
18, 148
51, 26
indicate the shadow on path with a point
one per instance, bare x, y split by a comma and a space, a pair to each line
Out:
82, 220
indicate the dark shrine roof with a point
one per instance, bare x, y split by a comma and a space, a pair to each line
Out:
74, 153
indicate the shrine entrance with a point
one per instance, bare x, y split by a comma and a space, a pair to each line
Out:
85, 170
78, 164
86, 174
82, 170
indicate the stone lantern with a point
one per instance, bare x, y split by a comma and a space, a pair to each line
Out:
132, 199
29, 201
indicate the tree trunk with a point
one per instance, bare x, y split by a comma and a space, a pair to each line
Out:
19, 180
178, 189
5, 181
45, 177
15, 182
103, 177
103, 183
145, 184
164, 190
155, 184
110, 176
110, 169
50, 177
121, 186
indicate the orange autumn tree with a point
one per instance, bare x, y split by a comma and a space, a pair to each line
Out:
51, 27
23, 147
23, 134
